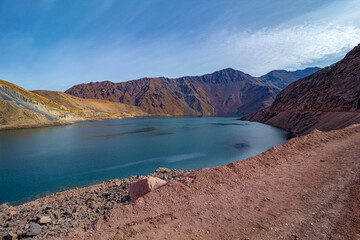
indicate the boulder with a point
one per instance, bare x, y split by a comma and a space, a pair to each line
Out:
35, 229
45, 220
143, 186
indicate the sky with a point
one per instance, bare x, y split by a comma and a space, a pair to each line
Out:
55, 44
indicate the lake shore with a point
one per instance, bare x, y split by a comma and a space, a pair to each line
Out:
307, 188
62, 123
72, 208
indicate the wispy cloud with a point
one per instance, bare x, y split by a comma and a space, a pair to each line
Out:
125, 40
289, 47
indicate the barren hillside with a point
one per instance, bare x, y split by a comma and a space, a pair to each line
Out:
328, 99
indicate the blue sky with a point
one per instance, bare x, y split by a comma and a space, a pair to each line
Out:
54, 44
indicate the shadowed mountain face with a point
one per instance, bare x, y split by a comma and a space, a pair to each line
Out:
225, 92
327, 99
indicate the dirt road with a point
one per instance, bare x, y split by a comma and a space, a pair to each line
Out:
307, 188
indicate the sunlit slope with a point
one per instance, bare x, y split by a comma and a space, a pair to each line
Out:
92, 108
19, 107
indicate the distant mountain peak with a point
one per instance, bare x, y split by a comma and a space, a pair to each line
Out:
227, 91
282, 78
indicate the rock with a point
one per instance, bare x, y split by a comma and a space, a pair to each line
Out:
162, 170
10, 236
45, 220
35, 229
315, 131
4, 206
142, 187
57, 214
125, 199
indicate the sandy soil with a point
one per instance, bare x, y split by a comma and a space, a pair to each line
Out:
307, 188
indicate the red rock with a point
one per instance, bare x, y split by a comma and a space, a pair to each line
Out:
143, 186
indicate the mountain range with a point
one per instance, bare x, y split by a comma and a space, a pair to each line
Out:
225, 92
326, 100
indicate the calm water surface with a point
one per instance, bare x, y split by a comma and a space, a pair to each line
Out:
34, 162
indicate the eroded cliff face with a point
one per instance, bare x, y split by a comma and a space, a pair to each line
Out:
226, 92
328, 99
19, 107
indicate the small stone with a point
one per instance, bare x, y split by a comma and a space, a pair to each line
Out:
24, 210
57, 214
35, 229
10, 236
4, 206
162, 170
45, 220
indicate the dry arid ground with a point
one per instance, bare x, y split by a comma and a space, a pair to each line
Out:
307, 188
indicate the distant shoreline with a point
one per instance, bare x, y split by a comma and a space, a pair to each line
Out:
55, 124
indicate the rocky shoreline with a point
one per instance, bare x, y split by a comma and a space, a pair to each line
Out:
58, 213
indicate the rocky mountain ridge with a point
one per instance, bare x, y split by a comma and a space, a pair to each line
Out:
225, 92
328, 99
282, 78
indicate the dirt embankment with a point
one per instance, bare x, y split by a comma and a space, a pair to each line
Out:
307, 188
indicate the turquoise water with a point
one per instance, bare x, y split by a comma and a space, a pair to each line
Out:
34, 162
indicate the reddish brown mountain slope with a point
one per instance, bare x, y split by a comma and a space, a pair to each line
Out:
328, 99
224, 92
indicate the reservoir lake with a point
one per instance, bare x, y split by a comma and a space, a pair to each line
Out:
40, 161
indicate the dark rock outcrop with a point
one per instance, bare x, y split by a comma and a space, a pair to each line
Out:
328, 99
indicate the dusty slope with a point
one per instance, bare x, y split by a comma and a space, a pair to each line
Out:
19, 107
224, 92
92, 108
321, 100
307, 188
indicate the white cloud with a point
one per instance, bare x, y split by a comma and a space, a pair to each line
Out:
291, 47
